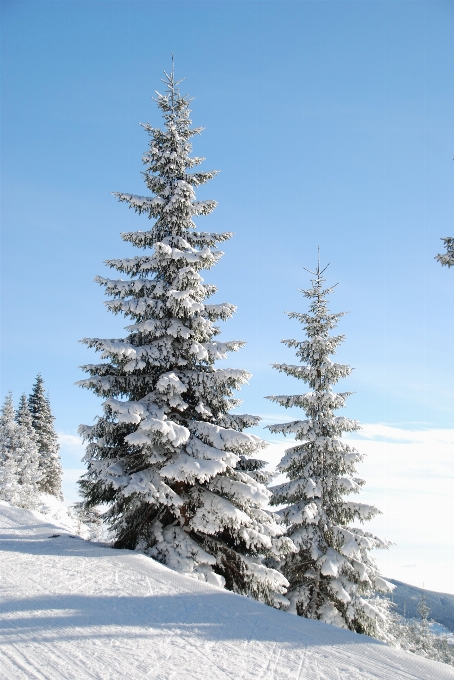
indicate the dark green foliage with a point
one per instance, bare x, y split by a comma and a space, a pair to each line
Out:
47, 440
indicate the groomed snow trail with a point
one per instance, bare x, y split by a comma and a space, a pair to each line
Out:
73, 610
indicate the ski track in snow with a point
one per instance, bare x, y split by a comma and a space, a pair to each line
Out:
74, 610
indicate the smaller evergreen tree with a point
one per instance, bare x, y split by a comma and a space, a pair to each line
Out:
332, 576
9, 477
447, 258
24, 417
47, 440
26, 444
19, 471
423, 611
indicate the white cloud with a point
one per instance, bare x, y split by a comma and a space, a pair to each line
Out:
390, 433
69, 440
409, 475
73, 474
71, 446
70, 488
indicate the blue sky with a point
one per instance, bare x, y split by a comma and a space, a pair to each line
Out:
332, 124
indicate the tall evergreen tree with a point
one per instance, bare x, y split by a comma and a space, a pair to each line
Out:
447, 258
19, 472
332, 576
172, 464
47, 440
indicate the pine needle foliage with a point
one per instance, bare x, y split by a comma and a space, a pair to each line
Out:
332, 576
24, 417
9, 469
447, 258
167, 457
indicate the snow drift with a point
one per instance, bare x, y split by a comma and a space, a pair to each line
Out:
75, 610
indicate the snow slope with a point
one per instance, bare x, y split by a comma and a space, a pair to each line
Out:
71, 609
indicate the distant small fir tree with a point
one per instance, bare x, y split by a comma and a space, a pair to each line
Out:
332, 577
47, 440
423, 610
447, 259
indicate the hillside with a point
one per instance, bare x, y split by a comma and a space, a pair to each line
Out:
76, 610
441, 605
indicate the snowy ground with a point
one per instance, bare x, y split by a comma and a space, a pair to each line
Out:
71, 609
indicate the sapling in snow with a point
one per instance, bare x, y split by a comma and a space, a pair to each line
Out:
332, 576
167, 458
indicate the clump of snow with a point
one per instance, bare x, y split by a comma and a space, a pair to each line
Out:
70, 519
53, 509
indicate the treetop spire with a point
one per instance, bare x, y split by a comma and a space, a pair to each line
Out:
317, 271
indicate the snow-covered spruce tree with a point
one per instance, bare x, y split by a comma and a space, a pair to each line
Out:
171, 463
448, 257
24, 417
47, 440
332, 576
27, 455
9, 472
19, 472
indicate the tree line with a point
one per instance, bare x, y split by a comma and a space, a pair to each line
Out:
29, 449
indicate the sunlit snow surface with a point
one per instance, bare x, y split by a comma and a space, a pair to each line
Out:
73, 609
